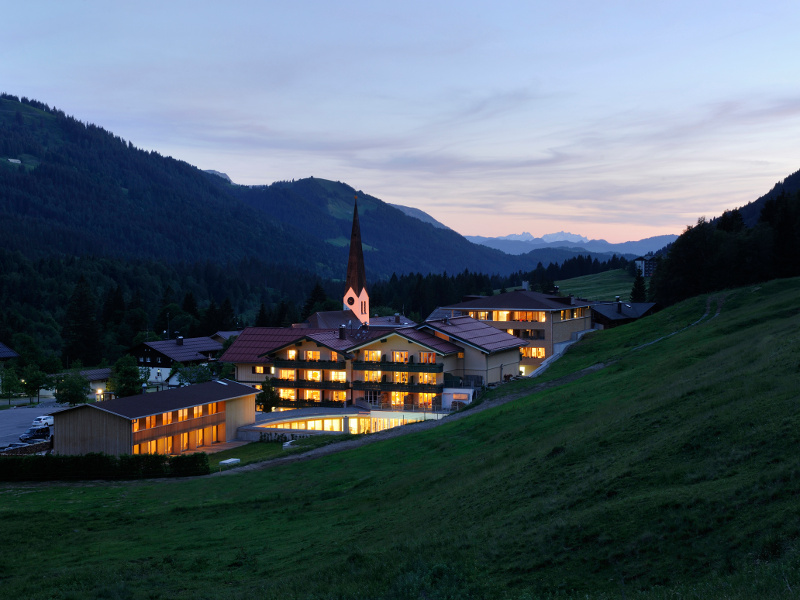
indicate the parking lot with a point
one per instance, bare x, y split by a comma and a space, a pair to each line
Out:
14, 421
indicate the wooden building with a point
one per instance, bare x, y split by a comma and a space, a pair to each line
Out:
170, 422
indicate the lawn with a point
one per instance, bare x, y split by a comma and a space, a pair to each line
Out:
672, 472
602, 286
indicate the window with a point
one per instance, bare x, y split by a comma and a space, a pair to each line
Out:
426, 401
334, 356
287, 374
291, 354
401, 377
183, 414
427, 358
258, 369
313, 375
197, 411
398, 399
427, 378
149, 422
287, 394
340, 376
372, 356
313, 395
372, 396
213, 408
258, 386
363, 307
135, 424
480, 315
502, 315
532, 352
400, 357
167, 445
312, 354
201, 438
339, 396
374, 376
166, 418
184, 442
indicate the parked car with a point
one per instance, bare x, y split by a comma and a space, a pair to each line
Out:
44, 420
35, 435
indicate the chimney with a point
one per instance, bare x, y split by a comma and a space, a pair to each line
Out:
342, 332
396, 317
526, 286
179, 340
619, 305
571, 299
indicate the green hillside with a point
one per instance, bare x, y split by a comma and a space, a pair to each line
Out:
601, 286
670, 472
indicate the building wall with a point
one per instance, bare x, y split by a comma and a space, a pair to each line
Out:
86, 429
238, 412
244, 372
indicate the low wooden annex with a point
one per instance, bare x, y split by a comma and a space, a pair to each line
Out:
170, 422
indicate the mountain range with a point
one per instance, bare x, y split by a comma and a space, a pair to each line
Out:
74, 189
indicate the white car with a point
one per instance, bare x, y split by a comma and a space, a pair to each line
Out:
42, 421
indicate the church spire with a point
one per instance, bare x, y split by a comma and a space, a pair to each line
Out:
355, 286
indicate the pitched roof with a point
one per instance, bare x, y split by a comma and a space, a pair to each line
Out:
425, 338
254, 342
227, 334
476, 333
91, 374
6, 352
329, 319
391, 322
143, 405
614, 311
192, 349
356, 276
518, 300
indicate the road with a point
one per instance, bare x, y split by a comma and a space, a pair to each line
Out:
14, 421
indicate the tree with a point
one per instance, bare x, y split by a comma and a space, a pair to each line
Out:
639, 289
81, 332
194, 374
34, 380
126, 377
10, 383
267, 398
262, 318
72, 389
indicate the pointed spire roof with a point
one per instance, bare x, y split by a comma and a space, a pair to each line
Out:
356, 277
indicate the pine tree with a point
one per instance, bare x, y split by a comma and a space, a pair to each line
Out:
639, 289
81, 333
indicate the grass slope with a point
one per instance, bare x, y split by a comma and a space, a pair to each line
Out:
601, 286
672, 472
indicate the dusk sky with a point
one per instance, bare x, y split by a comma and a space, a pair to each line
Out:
614, 120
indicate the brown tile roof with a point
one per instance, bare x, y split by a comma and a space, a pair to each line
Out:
329, 319
254, 342
429, 340
475, 333
518, 300
192, 349
143, 405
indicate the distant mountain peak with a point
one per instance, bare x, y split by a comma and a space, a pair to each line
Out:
563, 236
218, 174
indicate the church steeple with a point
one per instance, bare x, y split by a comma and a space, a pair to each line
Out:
355, 286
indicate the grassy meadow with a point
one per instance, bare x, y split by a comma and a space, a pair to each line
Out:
601, 286
672, 472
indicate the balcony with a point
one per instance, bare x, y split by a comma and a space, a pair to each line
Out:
411, 388
310, 385
360, 365
337, 365
284, 403
178, 427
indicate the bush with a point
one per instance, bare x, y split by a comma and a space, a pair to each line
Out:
97, 465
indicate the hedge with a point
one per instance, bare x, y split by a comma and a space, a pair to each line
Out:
96, 465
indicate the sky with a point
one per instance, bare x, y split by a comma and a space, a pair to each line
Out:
612, 120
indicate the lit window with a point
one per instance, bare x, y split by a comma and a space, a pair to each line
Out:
339, 395
149, 422
287, 394
426, 401
258, 386
427, 378
135, 425
292, 354
334, 356
313, 375
427, 357
340, 376
398, 398
373, 376
372, 355
197, 411
400, 357
136, 449
183, 414
287, 374
532, 352
166, 418
259, 369
312, 354
401, 377
313, 395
